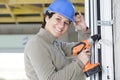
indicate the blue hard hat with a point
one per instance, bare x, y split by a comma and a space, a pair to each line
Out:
63, 7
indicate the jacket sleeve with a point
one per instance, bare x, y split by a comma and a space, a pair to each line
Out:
83, 34
45, 69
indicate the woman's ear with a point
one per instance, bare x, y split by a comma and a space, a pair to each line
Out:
47, 18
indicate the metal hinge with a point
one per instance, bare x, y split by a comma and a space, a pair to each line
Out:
104, 23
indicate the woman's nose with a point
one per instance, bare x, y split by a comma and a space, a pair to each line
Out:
61, 24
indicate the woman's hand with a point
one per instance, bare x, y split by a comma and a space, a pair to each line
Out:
79, 22
84, 56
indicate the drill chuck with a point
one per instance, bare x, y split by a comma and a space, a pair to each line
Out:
96, 37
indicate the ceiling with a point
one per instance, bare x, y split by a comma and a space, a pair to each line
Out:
28, 11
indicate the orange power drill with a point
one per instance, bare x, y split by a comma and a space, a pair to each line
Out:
89, 68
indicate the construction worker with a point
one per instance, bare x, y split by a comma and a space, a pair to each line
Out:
48, 59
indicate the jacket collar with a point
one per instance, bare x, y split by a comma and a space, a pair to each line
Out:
46, 35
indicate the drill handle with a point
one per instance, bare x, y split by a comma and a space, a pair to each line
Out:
78, 48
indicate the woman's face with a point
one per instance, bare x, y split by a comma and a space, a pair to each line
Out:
56, 25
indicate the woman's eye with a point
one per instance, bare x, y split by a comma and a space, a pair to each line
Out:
58, 19
66, 23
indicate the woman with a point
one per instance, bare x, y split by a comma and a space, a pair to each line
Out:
49, 59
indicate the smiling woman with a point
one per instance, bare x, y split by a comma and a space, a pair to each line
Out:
46, 58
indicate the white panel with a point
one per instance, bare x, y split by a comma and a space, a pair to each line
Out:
12, 66
117, 38
107, 41
87, 9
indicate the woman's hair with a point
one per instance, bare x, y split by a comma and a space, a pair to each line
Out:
49, 14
